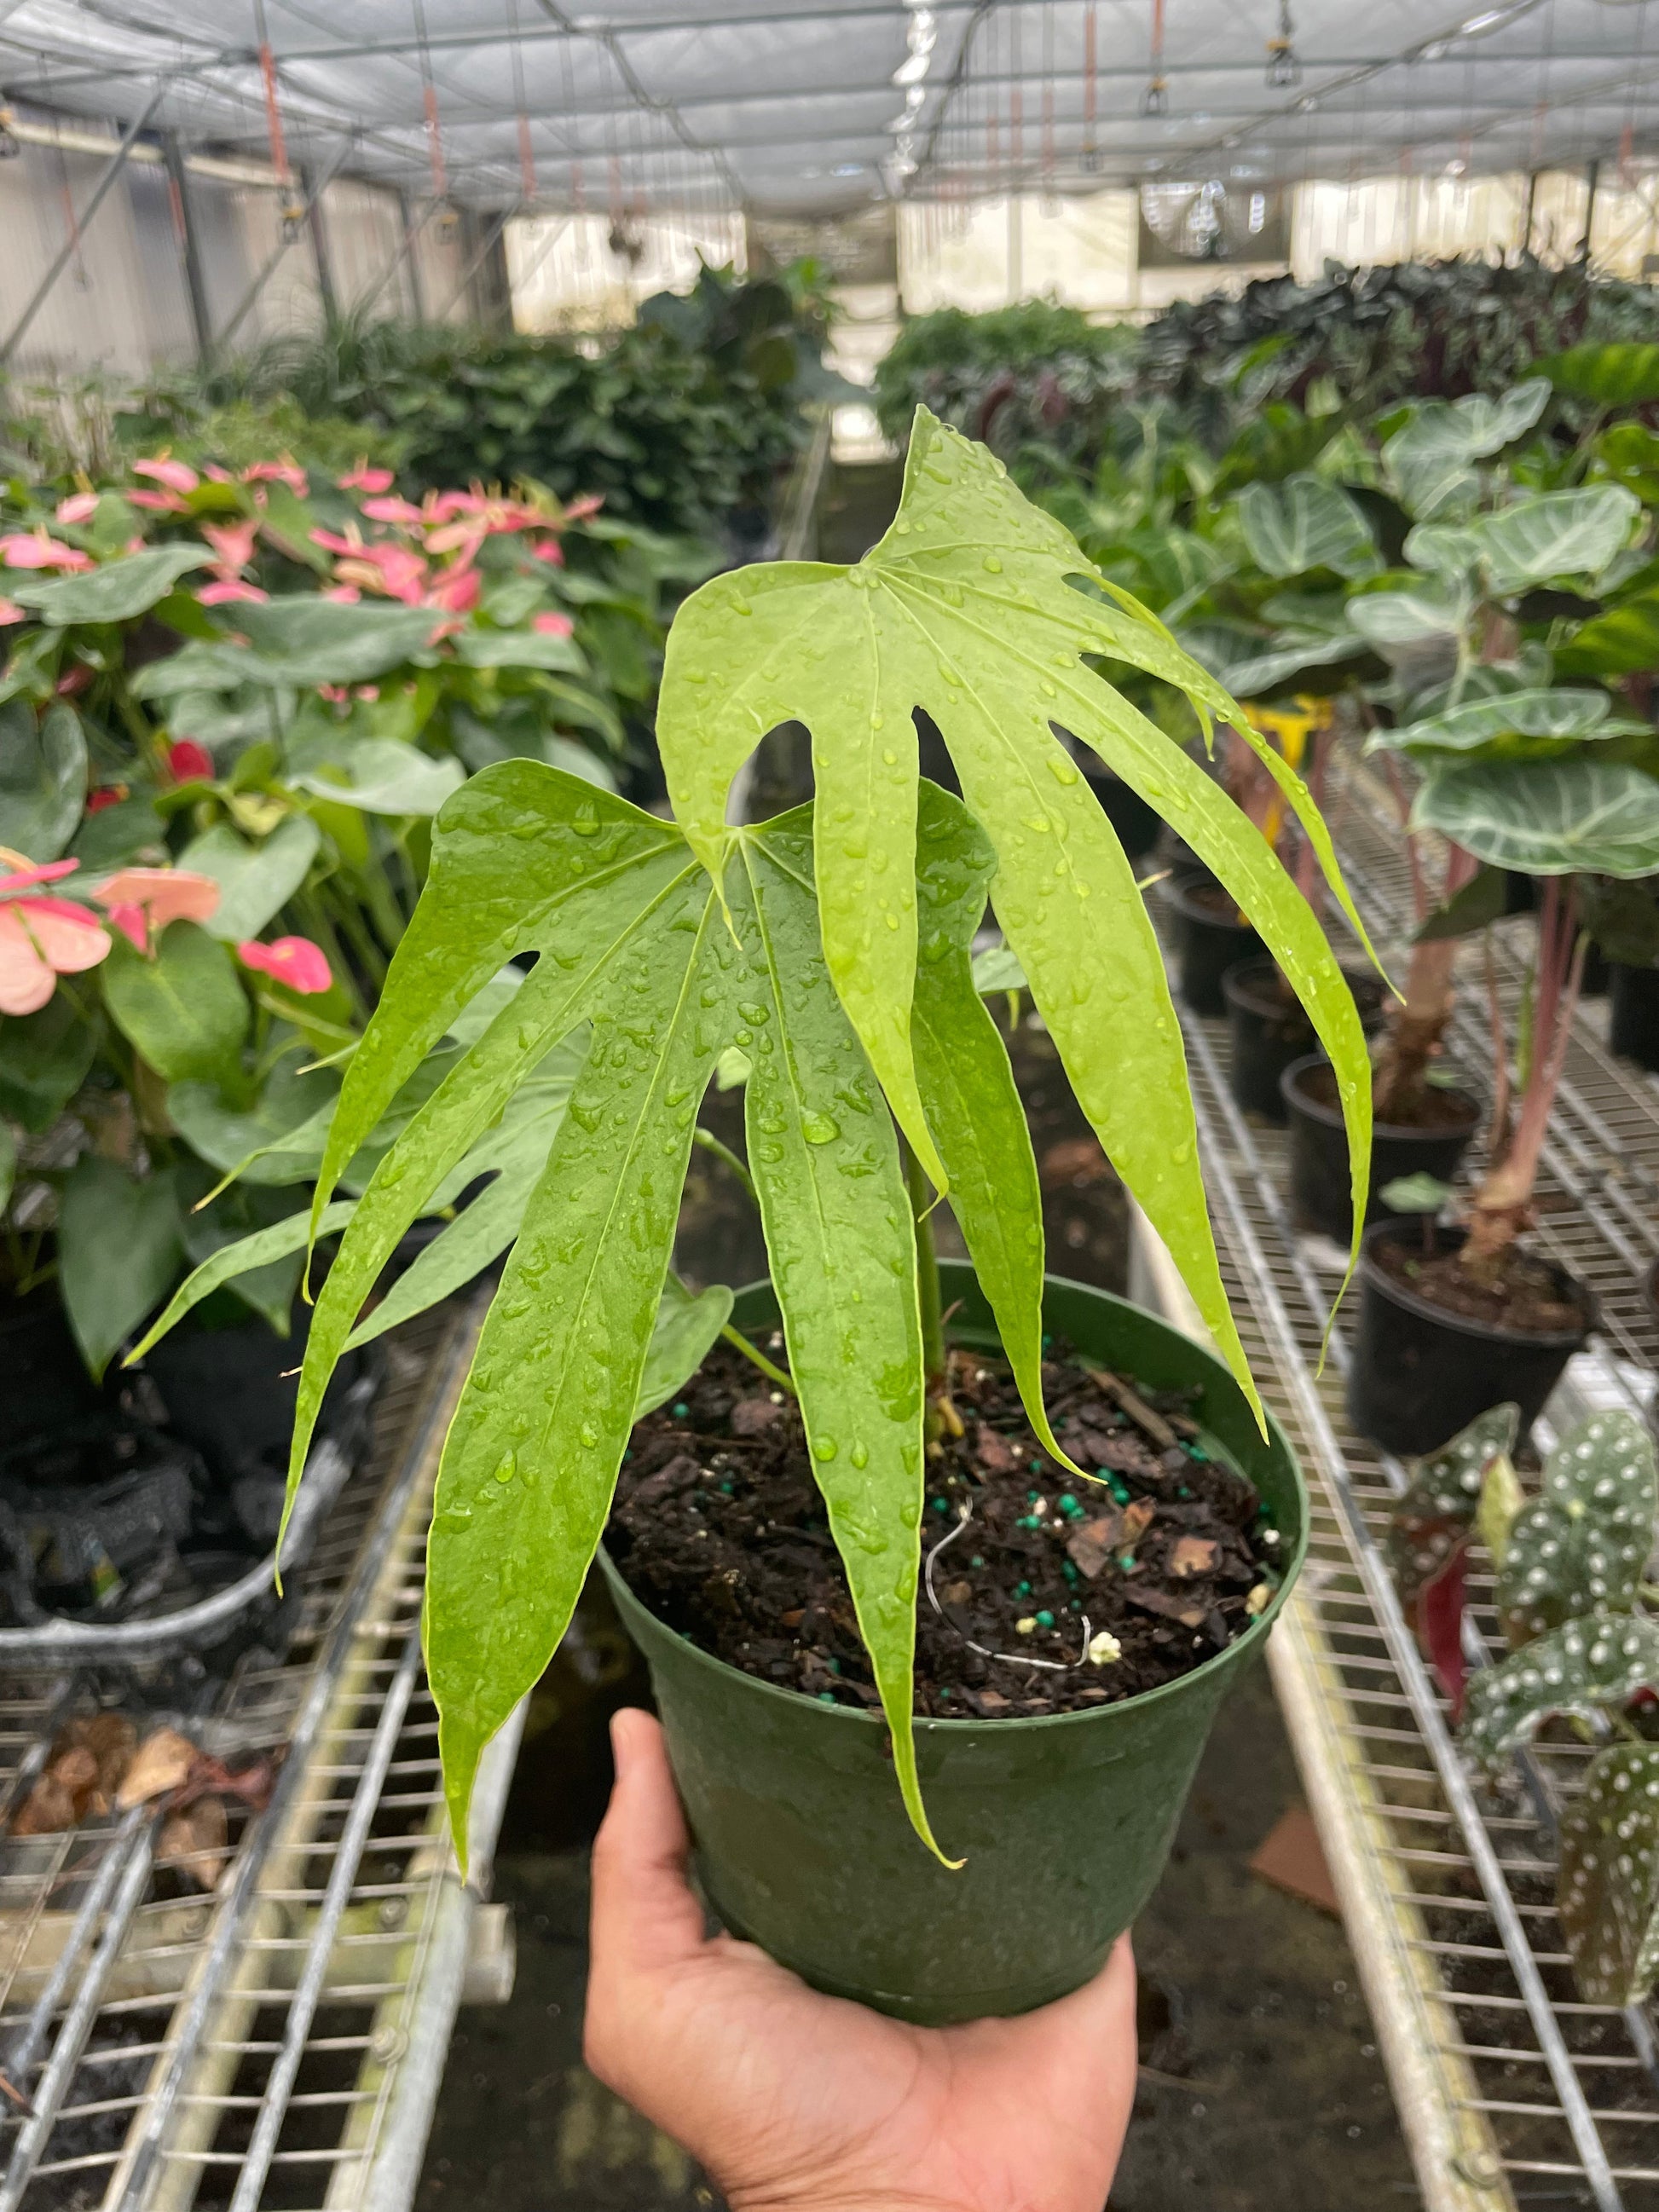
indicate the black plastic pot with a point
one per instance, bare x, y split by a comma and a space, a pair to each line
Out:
1209, 939
44, 1384
1064, 1820
1420, 1374
1322, 1189
231, 1394
1597, 977
1269, 1030
1634, 1002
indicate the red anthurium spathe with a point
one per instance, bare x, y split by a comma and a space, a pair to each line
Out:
293, 961
553, 625
11, 612
177, 476
189, 763
225, 590
393, 510
79, 506
37, 549
140, 901
549, 549
232, 544
286, 471
458, 591
41, 938
364, 479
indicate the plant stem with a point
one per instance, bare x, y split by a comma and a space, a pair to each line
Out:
928, 1290
711, 1143
1417, 1027
752, 1352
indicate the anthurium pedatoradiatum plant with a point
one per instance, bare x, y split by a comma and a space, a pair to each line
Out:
222, 743
832, 947
1567, 1567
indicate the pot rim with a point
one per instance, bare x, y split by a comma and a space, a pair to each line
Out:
1330, 1117
1236, 980
1251, 1638
1184, 883
1449, 1235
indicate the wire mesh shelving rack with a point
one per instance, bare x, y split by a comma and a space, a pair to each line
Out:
1511, 2091
278, 2040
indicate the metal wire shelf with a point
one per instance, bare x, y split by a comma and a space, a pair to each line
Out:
277, 2042
1510, 2089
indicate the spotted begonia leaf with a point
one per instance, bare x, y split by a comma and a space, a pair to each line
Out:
1585, 1666
1607, 1885
1428, 1539
1582, 1544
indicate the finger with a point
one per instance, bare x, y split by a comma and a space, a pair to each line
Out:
644, 1915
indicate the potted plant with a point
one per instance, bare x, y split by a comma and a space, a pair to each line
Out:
832, 949
1568, 1565
231, 705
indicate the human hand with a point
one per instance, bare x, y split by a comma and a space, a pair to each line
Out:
793, 2099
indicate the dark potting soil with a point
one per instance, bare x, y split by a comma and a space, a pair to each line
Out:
1433, 1108
1520, 1293
720, 1529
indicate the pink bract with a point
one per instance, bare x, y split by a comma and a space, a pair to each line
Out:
364, 479
177, 476
286, 471
553, 625
232, 541
458, 591
224, 589
41, 938
36, 549
392, 510
294, 962
79, 506
140, 901
11, 612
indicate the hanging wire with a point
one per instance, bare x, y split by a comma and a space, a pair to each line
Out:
1048, 106
1090, 89
1016, 104
293, 209
1155, 100
434, 140
1284, 69
526, 148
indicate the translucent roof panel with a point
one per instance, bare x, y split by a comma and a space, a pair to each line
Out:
817, 106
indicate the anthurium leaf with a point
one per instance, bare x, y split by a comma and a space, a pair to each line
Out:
521, 648
263, 1248
183, 1007
1582, 1545
1560, 533
1296, 651
1540, 712
1396, 618
44, 1058
255, 881
1597, 1661
531, 1456
379, 774
968, 1091
1553, 817
838, 1230
118, 1248
1606, 1891
1305, 524
1432, 459
1434, 1513
967, 609
43, 778
251, 1140
512, 851
1623, 641
336, 642
116, 592
1612, 375
131, 829
688, 1324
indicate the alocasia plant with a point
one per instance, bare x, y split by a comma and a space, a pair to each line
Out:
832, 947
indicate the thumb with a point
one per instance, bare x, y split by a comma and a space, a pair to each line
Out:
644, 1915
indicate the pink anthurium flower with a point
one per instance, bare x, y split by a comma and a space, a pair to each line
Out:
580, 509
140, 901
294, 962
549, 549
458, 591
231, 543
393, 509
331, 542
224, 589
397, 570
286, 471
41, 938
177, 476
11, 612
79, 506
364, 479
37, 549
553, 625
348, 594
158, 502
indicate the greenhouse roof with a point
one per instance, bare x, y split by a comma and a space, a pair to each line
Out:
825, 104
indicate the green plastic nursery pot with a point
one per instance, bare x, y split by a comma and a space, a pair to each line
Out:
1065, 1821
